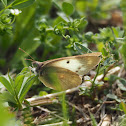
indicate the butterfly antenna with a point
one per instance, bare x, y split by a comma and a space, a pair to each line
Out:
27, 54
30, 60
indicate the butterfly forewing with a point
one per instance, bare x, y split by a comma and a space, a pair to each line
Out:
80, 64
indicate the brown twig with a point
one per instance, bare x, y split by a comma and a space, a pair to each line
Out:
47, 98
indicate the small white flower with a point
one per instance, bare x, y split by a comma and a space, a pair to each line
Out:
15, 11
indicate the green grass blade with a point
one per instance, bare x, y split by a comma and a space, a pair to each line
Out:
7, 84
94, 123
25, 88
18, 83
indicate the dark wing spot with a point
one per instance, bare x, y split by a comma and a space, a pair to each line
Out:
76, 71
68, 61
79, 68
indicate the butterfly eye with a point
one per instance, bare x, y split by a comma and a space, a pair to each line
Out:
35, 64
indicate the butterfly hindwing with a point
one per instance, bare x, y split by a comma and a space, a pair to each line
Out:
59, 78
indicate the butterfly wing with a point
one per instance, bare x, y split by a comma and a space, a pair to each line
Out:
80, 64
59, 78
63, 73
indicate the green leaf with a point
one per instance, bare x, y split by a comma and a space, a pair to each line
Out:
64, 17
44, 6
118, 32
18, 83
123, 52
113, 96
122, 84
81, 48
4, 2
112, 78
78, 24
25, 88
94, 123
88, 36
11, 81
122, 106
18, 4
108, 61
42, 93
122, 87
6, 96
67, 8
28, 44
7, 11
104, 52
24, 70
7, 84
6, 116
123, 8
123, 81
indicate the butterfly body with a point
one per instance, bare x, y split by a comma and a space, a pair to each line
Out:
66, 72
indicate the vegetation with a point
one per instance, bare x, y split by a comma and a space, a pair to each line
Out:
49, 29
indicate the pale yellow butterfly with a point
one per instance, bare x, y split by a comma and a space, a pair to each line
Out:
66, 72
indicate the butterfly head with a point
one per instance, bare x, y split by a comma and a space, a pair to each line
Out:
37, 65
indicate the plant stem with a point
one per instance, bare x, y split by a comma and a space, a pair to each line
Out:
93, 83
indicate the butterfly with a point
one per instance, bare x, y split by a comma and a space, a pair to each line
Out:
66, 72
